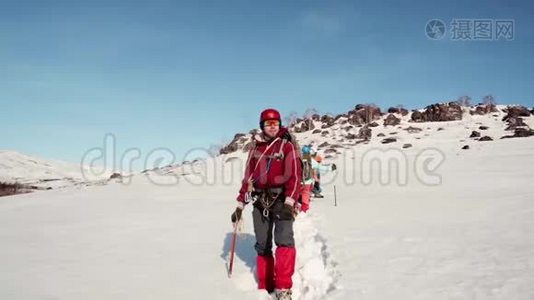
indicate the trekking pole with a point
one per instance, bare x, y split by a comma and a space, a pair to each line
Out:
232, 251
335, 196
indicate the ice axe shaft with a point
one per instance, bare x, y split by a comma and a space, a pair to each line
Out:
232, 251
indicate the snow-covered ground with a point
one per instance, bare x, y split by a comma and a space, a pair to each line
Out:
469, 235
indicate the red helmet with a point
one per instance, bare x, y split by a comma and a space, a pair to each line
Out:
269, 114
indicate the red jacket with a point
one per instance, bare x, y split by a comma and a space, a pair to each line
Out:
273, 164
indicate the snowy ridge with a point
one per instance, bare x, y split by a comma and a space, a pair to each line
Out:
43, 174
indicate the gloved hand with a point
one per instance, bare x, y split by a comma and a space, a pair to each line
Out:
334, 167
287, 212
236, 215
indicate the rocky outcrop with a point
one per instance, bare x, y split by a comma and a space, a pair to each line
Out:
516, 111
514, 116
305, 125
391, 120
233, 146
483, 109
398, 110
515, 122
327, 121
365, 133
520, 132
7, 189
440, 112
363, 114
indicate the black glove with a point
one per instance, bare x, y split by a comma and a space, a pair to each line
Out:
236, 215
334, 167
287, 212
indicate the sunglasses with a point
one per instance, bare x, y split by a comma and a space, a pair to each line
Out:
271, 123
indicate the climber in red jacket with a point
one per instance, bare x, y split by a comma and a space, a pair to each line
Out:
272, 182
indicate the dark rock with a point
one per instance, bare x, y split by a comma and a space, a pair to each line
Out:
348, 128
441, 128
316, 117
351, 136
306, 125
325, 132
515, 122
398, 110
365, 133
483, 127
412, 129
406, 146
440, 112
340, 116
417, 116
482, 109
330, 150
363, 114
474, 134
485, 138
380, 135
13, 188
520, 132
465, 147
325, 144
389, 140
233, 145
523, 132
316, 131
373, 124
115, 176
516, 111
391, 120
327, 120
393, 133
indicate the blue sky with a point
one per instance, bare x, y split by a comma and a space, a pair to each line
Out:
183, 74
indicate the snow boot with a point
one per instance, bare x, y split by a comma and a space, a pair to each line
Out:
284, 294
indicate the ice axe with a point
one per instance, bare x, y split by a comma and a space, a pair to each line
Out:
232, 248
